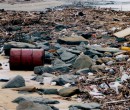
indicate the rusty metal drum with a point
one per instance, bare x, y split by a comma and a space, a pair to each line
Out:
26, 59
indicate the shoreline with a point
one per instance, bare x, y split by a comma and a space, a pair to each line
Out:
36, 6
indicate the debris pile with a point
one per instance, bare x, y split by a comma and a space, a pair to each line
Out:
85, 56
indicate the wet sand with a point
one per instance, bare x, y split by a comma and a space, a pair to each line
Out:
7, 95
35, 6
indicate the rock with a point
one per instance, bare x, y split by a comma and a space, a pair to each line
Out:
9, 45
66, 56
26, 88
98, 68
88, 35
57, 62
13, 28
39, 100
48, 75
60, 27
39, 70
77, 52
48, 57
15, 82
83, 71
62, 68
50, 91
45, 47
83, 61
67, 92
108, 54
102, 49
61, 50
72, 40
64, 79
106, 59
122, 57
28, 105
86, 106
121, 39
71, 61
57, 46
92, 53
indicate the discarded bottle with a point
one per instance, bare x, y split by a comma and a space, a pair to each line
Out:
125, 48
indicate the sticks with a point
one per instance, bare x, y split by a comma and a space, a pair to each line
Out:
118, 101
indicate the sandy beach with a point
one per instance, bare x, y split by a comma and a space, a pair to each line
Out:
8, 95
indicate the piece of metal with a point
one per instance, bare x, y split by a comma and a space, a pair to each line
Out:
26, 59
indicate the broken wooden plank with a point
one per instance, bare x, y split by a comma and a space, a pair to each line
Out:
123, 33
117, 101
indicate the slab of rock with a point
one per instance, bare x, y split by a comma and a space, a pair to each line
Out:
67, 92
98, 68
64, 79
39, 70
39, 100
65, 56
86, 106
57, 62
50, 91
15, 82
83, 61
26, 88
92, 53
83, 71
27, 105
9, 45
72, 40
103, 49
62, 68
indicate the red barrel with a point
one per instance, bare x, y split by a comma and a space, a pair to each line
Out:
26, 59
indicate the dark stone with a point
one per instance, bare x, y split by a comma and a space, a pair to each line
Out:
39, 70
9, 45
83, 71
67, 92
87, 106
83, 61
61, 50
15, 82
46, 48
60, 27
39, 100
92, 53
62, 68
13, 28
57, 46
65, 56
72, 40
57, 62
50, 91
77, 52
121, 39
28, 105
88, 35
81, 14
98, 68
64, 79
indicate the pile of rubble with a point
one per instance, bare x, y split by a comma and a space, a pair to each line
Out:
85, 55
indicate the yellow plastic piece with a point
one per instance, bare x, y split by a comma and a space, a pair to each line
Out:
125, 48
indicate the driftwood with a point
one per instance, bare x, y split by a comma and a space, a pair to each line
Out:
26, 88
117, 101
